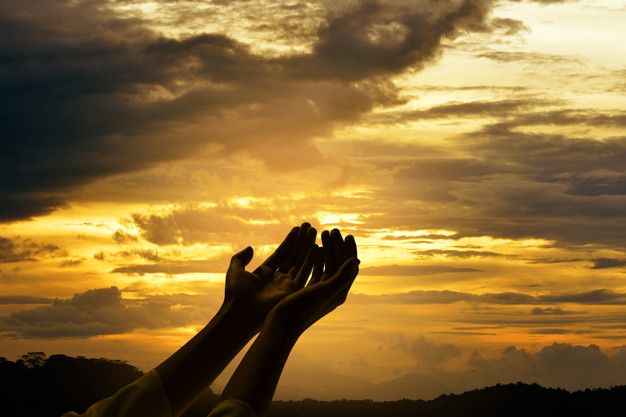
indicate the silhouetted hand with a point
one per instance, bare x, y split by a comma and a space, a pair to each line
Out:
257, 292
334, 272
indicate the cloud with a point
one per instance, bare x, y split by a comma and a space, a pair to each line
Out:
509, 26
23, 299
551, 311
598, 297
175, 267
607, 263
462, 254
121, 237
189, 224
536, 58
513, 181
427, 352
558, 365
470, 109
25, 250
100, 312
89, 92
405, 270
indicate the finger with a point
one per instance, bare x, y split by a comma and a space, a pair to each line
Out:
307, 267
289, 260
329, 261
243, 258
274, 260
350, 246
318, 268
309, 241
337, 246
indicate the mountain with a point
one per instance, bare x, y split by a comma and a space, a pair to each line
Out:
41, 386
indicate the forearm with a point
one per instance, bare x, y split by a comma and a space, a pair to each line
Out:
256, 377
188, 372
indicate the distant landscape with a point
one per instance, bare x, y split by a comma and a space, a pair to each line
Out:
60, 383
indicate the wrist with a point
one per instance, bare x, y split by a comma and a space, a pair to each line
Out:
281, 331
238, 316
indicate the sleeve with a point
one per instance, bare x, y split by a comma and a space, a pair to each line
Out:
143, 397
233, 408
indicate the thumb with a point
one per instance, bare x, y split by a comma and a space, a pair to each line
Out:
243, 258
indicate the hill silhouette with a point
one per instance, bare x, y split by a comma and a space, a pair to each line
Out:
42, 386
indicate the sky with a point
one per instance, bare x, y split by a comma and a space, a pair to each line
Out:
474, 148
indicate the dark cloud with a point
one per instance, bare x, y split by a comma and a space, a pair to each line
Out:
477, 109
515, 182
536, 58
606, 263
100, 312
550, 311
87, 92
121, 237
68, 263
23, 299
385, 38
508, 26
25, 250
559, 331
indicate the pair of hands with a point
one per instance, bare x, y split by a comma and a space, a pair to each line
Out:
280, 289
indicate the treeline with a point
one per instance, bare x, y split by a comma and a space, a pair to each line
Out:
40, 386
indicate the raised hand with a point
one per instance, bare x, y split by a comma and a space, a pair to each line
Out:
284, 272
334, 269
334, 272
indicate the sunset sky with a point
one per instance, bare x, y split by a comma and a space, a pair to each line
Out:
476, 149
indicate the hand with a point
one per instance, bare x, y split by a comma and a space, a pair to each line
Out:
333, 275
255, 293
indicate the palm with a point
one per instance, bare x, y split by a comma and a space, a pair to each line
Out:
281, 274
262, 289
328, 288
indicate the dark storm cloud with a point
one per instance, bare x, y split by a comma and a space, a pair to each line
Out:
385, 38
87, 93
100, 312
